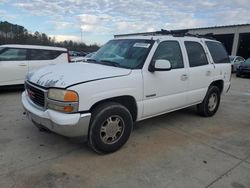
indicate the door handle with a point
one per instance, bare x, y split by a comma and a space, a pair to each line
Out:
184, 77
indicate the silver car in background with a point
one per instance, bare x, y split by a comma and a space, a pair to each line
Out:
235, 62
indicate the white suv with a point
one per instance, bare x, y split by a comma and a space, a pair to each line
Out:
17, 60
129, 79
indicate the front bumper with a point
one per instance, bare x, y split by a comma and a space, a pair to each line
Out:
70, 125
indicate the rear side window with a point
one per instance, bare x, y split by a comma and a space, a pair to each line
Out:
36, 54
13, 54
217, 52
171, 51
196, 54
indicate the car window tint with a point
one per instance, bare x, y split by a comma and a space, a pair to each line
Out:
196, 54
13, 54
36, 54
171, 51
218, 52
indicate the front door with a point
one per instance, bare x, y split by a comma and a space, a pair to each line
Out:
166, 90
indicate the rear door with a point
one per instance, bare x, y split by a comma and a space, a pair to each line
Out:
200, 71
13, 66
221, 62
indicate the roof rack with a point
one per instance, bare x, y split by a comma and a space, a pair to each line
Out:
176, 33
183, 33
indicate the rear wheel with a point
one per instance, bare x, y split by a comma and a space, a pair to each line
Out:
211, 102
111, 125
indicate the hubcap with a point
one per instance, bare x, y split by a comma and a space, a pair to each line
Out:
212, 103
112, 129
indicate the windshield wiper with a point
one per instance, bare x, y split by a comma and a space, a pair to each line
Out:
91, 60
112, 63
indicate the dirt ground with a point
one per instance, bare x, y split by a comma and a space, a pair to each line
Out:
177, 150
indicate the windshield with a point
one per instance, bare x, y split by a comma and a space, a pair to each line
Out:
126, 53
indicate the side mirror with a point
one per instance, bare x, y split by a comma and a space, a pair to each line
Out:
160, 65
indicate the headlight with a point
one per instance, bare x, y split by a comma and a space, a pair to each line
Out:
63, 100
63, 95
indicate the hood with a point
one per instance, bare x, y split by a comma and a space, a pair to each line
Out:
65, 75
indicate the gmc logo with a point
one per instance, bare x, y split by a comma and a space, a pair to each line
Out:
31, 94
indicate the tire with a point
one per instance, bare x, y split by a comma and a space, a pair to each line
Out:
110, 127
211, 102
238, 74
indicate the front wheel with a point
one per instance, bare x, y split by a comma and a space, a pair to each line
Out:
211, 102
110, 127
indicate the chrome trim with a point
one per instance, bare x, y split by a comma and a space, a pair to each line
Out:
33, 104
41, 89
29, 83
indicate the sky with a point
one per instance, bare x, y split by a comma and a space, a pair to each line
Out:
96, 21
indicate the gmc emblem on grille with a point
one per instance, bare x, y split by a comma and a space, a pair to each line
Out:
31, 94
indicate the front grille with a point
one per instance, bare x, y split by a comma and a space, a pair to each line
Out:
35, 94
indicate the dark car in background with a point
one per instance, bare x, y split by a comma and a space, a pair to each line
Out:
244, 68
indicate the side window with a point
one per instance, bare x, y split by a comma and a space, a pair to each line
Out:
196, 54
171, 51
218, 52
36, 54
13, 54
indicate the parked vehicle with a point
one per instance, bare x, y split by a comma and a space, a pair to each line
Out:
17, 60
76, 56
128, 79
235, 62
82, 59
88, 56
244, 68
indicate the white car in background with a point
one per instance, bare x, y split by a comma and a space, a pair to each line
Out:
82, 59
235, 62
16, 61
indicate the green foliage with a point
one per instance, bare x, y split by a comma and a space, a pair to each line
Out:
16, 34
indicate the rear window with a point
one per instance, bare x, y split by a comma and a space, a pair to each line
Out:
36, 54
217, 52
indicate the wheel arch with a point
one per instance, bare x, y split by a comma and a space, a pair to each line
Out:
126, 100
219, 84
